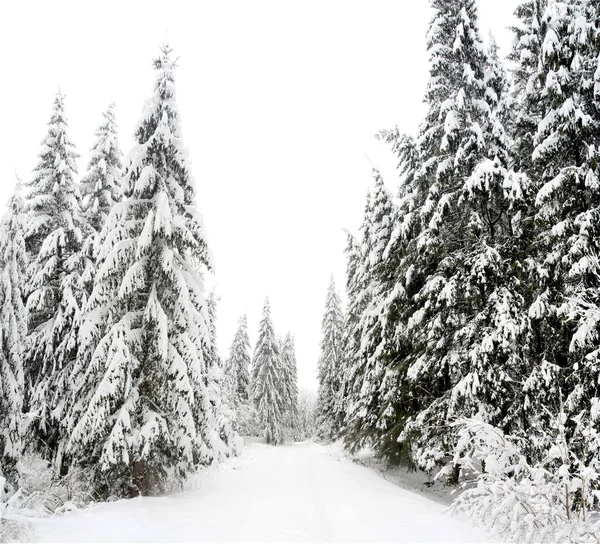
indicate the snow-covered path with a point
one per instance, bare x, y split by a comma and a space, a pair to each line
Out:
295, 493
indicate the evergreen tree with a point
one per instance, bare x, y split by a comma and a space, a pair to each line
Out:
350, 337
330, 365
53, 242
290, 382
365, 403
143, 414
527, 108
461, 146
13, 329
267, 374
306, 415
239, 363
217, 423
566, 157
99, 189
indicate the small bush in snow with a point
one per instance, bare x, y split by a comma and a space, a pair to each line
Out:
41, 493
551, 501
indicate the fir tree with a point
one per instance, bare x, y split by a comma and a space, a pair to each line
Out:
568, 219
365, 402
99, 192
13, 329
350, 338
216, 423
239, 363
267, 374
528, 82
330, 365
290, 382
143, 413
53, 242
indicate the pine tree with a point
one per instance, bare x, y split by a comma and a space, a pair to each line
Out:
566, 156
444, 248
330, 365
99, 189
218, 434
53, 242
13, 329
239, 363
290, 382
143, 414
267, 373
528, 82
350, 337
404, 277
365, 403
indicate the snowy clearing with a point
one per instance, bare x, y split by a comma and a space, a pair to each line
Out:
294, 493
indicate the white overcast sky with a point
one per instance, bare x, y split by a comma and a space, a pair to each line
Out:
279, 103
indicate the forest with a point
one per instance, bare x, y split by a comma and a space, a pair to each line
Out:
469, 346
465, 346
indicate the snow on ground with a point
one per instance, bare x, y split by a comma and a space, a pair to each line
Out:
417, 481
294, 493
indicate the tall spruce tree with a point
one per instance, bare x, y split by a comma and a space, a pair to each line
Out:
568, 221
99, 187
267, 385
53, 243
13, 329
528, 82
584, 307
349, 334
365, 402
330, 365
143, 415
443, 249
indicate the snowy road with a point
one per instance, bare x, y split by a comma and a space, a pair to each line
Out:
295, 493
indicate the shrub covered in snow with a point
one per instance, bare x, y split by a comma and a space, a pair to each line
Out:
551, 501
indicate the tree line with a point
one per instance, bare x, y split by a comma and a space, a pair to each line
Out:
473, 294
264, 388
108, 358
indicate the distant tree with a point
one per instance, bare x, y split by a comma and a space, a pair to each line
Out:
290, 382
267, 381
330, 365
239, 363
218, 422
306, 415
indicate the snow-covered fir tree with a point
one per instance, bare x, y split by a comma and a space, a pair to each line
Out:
329, 370
462, 149
13, 330
307, 405
239, 363
267, 381
99, 187
218, 422
358, 293
355, 286
290, 382
484, 304
144, 415
53, 243
527, 82
364, 402
566, 156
